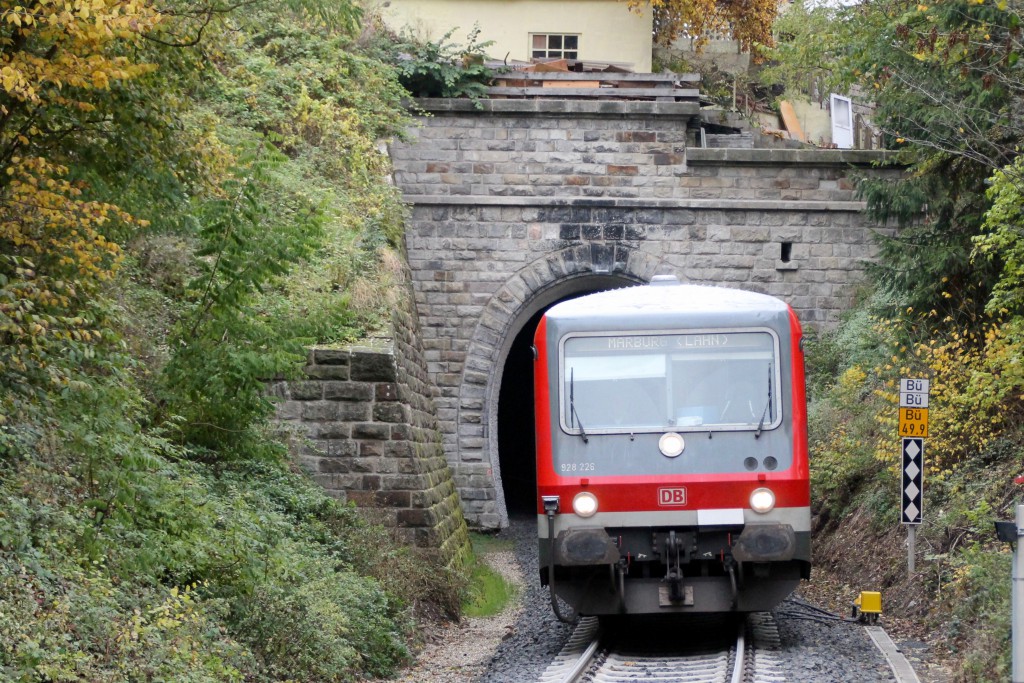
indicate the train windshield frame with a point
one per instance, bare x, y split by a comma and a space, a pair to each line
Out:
633, 382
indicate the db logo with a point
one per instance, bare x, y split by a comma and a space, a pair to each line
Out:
675, 496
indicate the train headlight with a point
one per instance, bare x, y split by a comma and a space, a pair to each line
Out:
762, 500
671, 444
584, 504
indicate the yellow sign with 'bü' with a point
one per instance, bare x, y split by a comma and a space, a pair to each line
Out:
913, 422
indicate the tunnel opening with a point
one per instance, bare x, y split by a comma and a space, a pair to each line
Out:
516, 442
515, 416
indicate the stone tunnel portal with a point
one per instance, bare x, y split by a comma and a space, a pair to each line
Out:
517, 477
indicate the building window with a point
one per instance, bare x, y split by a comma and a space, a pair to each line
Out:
554, 46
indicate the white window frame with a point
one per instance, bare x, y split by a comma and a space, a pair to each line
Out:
842, 130
551, 51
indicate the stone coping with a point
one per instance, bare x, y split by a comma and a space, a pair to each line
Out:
556, 107
638, 203
730, 156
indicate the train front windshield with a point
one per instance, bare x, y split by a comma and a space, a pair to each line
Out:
682, 382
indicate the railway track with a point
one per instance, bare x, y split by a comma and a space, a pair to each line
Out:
747, 657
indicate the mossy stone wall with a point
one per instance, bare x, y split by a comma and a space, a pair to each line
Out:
363, 422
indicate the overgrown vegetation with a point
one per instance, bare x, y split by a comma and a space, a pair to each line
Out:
488, 592
960, 591
443, 68
944, 304
191, 193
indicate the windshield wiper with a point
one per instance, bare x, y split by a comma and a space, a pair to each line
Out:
572, 406
767, 405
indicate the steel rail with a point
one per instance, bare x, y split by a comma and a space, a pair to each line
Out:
582, 661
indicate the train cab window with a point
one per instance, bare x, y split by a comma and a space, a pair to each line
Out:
608, 392
725, 380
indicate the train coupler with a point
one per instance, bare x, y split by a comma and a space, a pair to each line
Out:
673, 591
685, 594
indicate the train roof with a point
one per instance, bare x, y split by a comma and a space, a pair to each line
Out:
667, 300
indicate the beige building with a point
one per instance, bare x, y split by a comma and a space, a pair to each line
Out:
603, 31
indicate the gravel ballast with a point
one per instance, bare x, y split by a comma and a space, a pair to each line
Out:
518, 645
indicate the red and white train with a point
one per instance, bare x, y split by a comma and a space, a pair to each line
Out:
672, 466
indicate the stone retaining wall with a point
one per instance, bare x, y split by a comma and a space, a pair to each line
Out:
363, 422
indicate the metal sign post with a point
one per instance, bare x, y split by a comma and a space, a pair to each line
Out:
913, 427
912, 506
1013, 533
1017, 601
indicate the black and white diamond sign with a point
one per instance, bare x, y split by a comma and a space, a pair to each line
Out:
913, 471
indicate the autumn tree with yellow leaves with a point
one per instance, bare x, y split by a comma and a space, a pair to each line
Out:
747, 21
166, 167
55, 57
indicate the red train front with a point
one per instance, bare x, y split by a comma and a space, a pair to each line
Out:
671, 451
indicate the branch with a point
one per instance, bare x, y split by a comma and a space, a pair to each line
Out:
206, 16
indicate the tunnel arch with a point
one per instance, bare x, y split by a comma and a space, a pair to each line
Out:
560, 275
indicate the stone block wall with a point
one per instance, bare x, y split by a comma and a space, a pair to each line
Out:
517, 204
538, 148
363, 422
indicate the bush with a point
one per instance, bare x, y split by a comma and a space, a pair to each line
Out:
973, 451
980, 621
311, 622
149, 526
977, 389
222, 574
443, 69
69, 617
840, 426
